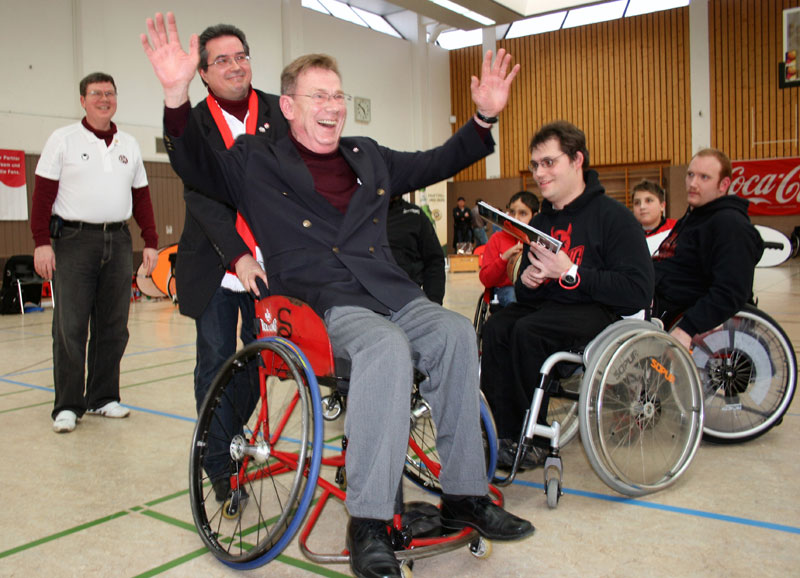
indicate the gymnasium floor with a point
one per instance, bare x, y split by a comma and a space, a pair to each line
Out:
111, 498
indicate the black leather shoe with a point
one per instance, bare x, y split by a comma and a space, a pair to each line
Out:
507, 453
479, 512
371, 553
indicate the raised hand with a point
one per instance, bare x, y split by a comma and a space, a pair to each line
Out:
174, 67
490, 91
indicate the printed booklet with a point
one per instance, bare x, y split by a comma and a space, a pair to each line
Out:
517, 229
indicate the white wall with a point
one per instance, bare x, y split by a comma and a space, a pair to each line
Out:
51, 44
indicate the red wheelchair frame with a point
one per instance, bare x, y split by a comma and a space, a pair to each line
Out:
293, 344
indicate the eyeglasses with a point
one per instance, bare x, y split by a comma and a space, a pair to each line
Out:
225, 61
101, 93
321, 97
545, 163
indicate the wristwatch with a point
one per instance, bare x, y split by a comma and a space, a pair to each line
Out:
570, 276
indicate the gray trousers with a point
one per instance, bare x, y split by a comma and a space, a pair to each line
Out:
384, 351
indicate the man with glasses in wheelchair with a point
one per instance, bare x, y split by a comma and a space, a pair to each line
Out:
705, 267
602, 272
317, 205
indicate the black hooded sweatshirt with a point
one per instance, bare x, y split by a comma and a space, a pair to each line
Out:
707, 263
604, 239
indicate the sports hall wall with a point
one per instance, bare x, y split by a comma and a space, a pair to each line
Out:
626, 83
52, 44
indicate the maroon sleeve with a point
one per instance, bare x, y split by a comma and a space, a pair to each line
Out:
44, 195
143, 213
176, 119
482, 130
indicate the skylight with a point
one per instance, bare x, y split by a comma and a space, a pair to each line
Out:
637, 7
536, 25
459, 9
454, 39
595, 14
352, 14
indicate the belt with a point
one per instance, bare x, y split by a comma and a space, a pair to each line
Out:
95, 226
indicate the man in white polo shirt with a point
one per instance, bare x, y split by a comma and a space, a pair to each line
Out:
90, 179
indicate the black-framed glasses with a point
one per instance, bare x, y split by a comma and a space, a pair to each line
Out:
321, 97
225, 61
545, 163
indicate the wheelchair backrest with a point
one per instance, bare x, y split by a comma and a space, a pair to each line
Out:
293, 319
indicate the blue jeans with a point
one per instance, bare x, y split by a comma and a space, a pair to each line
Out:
216, 342
216, 335
92, 291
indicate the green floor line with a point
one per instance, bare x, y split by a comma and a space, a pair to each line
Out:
61, 534
26, 406
173, 563
179, 361
167, 498
169, 520
149, 381
25, 390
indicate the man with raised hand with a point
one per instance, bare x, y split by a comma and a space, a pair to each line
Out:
317, 204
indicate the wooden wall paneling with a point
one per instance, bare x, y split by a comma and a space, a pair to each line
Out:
627, 94
766, 114
625, 83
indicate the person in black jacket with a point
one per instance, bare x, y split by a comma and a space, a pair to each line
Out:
705, 267
603, 271
462, 223
416, 247
211, 244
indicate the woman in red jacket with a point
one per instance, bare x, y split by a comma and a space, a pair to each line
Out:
502, 248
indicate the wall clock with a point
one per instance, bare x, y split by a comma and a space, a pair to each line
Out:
362, 109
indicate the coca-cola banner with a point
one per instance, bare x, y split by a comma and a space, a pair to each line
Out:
772, 186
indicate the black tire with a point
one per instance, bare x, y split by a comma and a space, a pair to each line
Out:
748, 370
261, 410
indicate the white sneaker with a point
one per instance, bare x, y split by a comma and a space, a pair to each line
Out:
111, 409
65, 421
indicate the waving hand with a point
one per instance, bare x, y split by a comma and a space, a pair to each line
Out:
174, 67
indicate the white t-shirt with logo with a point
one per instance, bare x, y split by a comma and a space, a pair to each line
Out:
94, 180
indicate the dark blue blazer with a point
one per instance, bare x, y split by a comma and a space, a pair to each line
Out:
209, 240
313, 251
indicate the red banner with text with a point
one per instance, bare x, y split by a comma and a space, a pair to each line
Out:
772, 186
13, 193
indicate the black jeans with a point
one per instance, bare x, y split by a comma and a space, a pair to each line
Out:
516, 341
92, 292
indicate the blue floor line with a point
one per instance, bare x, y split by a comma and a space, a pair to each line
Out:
50, 367
673, 509
28, 385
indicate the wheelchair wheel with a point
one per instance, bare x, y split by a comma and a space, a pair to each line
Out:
258, 435
748, 370
479, 319
640, 408
422, 459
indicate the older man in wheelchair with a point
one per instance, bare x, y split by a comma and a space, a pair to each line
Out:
564, 300
320, 203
